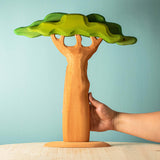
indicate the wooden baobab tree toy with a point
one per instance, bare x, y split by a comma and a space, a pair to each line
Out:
76, 111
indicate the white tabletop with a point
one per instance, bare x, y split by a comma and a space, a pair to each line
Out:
117, 151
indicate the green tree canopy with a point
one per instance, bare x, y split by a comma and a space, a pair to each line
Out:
70, 24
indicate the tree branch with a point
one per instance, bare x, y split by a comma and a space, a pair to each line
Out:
86, 52
59, 43
93, 47
79, 40
95, 42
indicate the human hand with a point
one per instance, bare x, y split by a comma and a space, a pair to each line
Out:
143, 125
101, 116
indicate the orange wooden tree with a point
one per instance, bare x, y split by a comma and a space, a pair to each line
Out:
76, 111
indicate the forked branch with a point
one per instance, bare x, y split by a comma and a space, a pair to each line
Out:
78, 48
59, 43
95, 42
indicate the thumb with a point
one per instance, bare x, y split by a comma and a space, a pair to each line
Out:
93, 101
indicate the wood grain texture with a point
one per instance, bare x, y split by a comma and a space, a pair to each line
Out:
62, 144
118, 151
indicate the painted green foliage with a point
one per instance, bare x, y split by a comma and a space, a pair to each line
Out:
71, 24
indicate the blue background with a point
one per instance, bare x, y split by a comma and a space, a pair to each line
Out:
32, 71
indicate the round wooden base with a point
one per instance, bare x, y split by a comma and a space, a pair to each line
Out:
62, 144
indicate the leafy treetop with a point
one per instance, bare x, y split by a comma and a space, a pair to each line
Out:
71, 24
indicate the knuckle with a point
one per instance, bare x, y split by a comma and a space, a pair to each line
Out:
101, 107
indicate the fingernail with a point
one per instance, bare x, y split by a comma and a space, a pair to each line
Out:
91, 97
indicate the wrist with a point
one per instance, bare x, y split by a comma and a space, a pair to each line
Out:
116, 121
